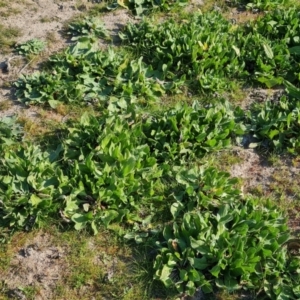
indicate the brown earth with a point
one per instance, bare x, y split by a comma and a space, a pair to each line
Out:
38, 264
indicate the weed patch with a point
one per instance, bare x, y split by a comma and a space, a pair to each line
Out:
141, 170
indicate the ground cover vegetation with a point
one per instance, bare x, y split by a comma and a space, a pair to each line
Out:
34, 46
138, 167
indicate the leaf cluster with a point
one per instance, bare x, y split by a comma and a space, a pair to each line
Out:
261, 5
88, 27
198, 51
170, 58
30, 185
83, 73
125, 170
109, 168
144, 7
235, 244
34, 46
10, 131
275, 125
137, 172
279, 24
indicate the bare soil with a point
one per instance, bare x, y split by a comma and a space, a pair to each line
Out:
38, 265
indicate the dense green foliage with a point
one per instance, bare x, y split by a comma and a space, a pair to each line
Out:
169, 58
141, 171
230, 242
276, 125
10, 131
113, 161
85, 74
198, 50
130, 169
279, 24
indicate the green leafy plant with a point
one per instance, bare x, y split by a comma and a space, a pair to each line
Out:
143, 7
261, 4
119, 165
116, 174
198, 52
279, 24
83, 73
111, 168
10, 131
187, 132
34, 46
219, 239
165, 58
30, 182
275, 125
88, 27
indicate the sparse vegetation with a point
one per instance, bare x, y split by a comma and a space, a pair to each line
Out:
8, 37
34, 46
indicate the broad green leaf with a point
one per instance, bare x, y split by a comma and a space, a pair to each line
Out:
292, 90
176, 208
271, 81
268, 51
53, 103
85, 119
82, 218
206, 287
165, 275
122, 103
35, 200
94, 228
191, 289
80, 225
128, 166
231, 283
237, 50
194, 276
273, 133
215, 271
183, 275
200, 246
211, 142
198, 263
108, 216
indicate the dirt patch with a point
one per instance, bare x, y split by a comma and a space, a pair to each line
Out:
260, 95
37, 266
251, 169
37, 18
